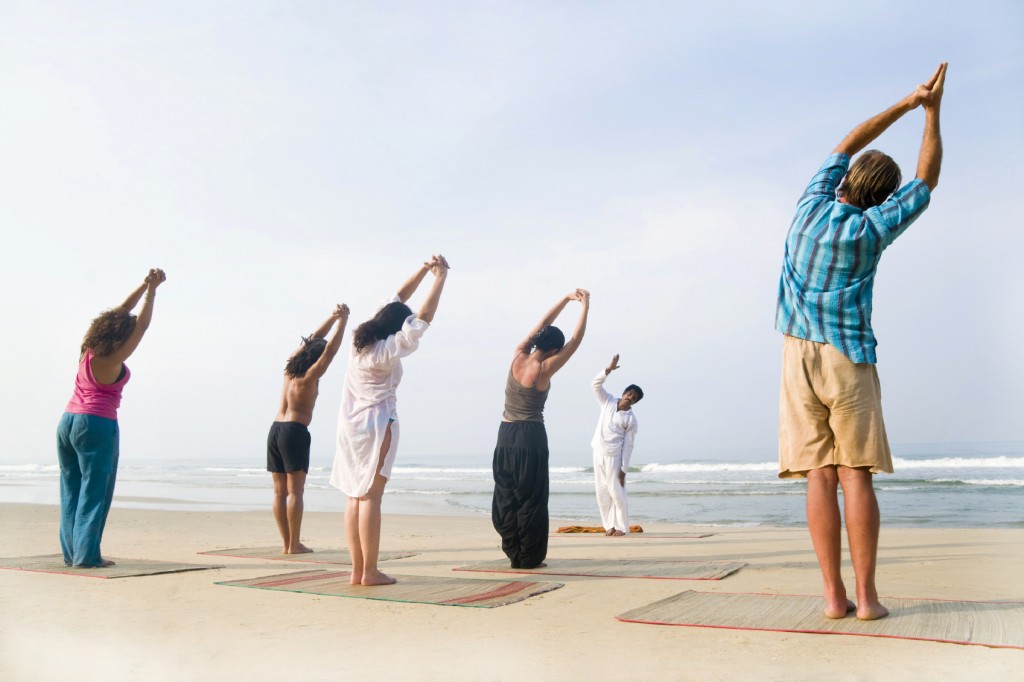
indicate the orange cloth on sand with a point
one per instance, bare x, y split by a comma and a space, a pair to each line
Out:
593, 529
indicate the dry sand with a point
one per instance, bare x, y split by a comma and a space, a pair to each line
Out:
182, 626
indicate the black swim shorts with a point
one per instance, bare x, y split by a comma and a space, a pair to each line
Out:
288, 448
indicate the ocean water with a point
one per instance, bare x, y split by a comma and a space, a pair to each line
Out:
950, 485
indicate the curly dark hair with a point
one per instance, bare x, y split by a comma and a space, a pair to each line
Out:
387, 321
548, 338
299, 364
108, 331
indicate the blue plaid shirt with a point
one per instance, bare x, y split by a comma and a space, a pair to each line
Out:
832, 252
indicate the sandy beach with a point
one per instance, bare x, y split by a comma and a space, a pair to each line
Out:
183, 626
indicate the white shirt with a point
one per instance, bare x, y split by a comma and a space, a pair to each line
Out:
368, 402
616, 429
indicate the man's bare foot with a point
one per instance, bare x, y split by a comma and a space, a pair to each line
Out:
868, 611
610, 531
616, 532
377, 578
838, 608
301, 549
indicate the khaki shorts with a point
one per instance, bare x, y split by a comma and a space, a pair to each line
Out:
830, 411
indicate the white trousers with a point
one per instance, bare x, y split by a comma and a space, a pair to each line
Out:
611, 494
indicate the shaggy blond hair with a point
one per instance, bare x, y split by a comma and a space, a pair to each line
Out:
870, 180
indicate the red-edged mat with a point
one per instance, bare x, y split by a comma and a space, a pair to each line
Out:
985, 623
122, 568
619, 568
414, 589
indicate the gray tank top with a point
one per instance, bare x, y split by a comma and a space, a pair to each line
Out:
523, 404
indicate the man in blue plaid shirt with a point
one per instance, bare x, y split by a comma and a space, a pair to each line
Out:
830, 408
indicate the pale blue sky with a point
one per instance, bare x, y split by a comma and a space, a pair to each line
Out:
276, 158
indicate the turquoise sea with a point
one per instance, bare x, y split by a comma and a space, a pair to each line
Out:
975, 485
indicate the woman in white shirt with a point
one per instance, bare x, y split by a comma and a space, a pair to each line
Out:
368, 419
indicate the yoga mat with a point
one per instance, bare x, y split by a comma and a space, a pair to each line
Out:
633, 536
122, 568
324, 556
414, 589
993, 624
594, 530
620, 568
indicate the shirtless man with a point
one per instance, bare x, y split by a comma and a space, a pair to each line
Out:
288, 442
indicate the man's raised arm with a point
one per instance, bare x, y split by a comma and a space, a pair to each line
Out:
866, 133
930, 159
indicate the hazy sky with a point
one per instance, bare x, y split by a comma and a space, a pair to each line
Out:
276, 158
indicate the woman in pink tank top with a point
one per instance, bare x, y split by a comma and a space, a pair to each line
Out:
87, 436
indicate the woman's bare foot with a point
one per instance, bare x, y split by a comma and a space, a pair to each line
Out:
104, 563
377, 578
357, 577
871, 611
300, 549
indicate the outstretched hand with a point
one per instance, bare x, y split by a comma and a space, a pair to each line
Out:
438, 265
936, 86
929, 94
613, 365
581, 295
155, 278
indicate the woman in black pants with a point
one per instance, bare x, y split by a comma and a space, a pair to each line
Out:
520, 507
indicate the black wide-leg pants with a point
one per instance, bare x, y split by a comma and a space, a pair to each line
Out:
519, 510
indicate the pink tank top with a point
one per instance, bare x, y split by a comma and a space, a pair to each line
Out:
92, 397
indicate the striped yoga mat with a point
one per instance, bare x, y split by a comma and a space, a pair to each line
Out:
620, 568
415, 589
322, 556
122, 568
994, 624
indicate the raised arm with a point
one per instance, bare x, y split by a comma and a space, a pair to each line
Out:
155, 278
134, 297
438, 265
558, 360
526, 344
866, 133
406, 291
338, 319
929, 161
598, 382
321, 331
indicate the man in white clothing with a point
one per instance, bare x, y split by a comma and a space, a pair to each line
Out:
613, 446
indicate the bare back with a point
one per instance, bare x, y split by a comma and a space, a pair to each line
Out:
298, 397
528, 370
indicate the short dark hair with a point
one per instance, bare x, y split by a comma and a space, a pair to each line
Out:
387, 321
634, 387
548, 338
299, 364
871, 179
